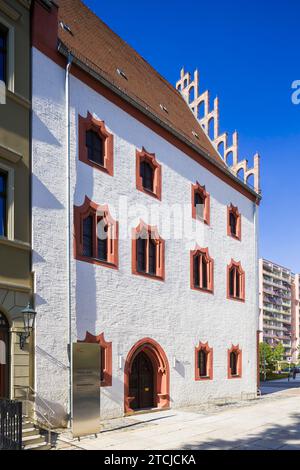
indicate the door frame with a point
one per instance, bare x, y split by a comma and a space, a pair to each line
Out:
161, 373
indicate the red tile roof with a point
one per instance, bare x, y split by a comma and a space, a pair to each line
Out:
95, 44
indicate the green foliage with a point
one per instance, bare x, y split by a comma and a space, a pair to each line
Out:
268, 355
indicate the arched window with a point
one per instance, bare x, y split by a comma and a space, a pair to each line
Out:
148, 173
203, 362
201, 270
234, 222
96, 234
147, 252
234, 362
200, 203
95, 144
235, 281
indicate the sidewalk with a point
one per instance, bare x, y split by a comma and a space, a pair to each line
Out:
271, 422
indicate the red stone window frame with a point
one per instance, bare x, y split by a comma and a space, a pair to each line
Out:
91, 123
240, 274
150, 232
106, 357
198, 189
235, 212
209, 362
141, 156
235, 350
89, 208
202, 252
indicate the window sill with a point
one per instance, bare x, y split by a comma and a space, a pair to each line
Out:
234, 377
235, 237
97, 166
148, 192
198, 378
150, 276
14, 244
236, 299
201, 289
204, 221
97, 262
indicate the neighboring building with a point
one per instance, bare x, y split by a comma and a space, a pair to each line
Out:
15, 233
176, 318
279, 307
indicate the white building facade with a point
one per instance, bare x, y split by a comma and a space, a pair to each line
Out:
151, 325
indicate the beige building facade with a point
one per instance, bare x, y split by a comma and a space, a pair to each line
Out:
16, 368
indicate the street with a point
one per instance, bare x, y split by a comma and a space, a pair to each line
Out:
268, 423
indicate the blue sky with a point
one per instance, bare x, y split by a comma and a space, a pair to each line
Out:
247, 53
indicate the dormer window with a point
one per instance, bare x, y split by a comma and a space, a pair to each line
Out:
235, 281
148, 174
233, 222
201, 270
200, 203
147, 252
95, 144
96, 235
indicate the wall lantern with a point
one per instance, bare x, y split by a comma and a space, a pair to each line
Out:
29, 315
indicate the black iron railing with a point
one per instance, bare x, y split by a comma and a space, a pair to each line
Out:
10, 425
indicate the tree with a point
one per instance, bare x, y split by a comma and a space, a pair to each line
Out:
265, 356
278, 352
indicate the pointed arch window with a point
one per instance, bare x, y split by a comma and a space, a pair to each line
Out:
234, 362
202, 270
96, 234
148, 174
95, 144
235, 281
234, 222
148, 252
200, 203
203, 362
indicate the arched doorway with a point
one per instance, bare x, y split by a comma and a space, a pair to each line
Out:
146, 377
4, 356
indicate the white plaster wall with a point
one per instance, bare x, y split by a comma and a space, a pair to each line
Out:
123, 306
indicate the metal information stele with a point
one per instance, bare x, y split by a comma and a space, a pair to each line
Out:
86, 389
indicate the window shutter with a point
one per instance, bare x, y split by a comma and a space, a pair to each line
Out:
103, 242
233, 223
88, 228
141, 254
199, 204
152, 257
237, 284
196, 271
204, 273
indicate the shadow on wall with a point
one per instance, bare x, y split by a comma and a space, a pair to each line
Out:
46, 200
276, 437
85, 282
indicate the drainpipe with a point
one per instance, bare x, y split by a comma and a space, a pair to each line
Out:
69, 304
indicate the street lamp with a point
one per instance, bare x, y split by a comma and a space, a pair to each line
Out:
29, 315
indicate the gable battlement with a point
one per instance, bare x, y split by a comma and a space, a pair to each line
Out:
199, 103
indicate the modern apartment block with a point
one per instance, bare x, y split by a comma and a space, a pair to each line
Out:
279, 307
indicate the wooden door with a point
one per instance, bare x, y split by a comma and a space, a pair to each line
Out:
4, 366
142, 382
